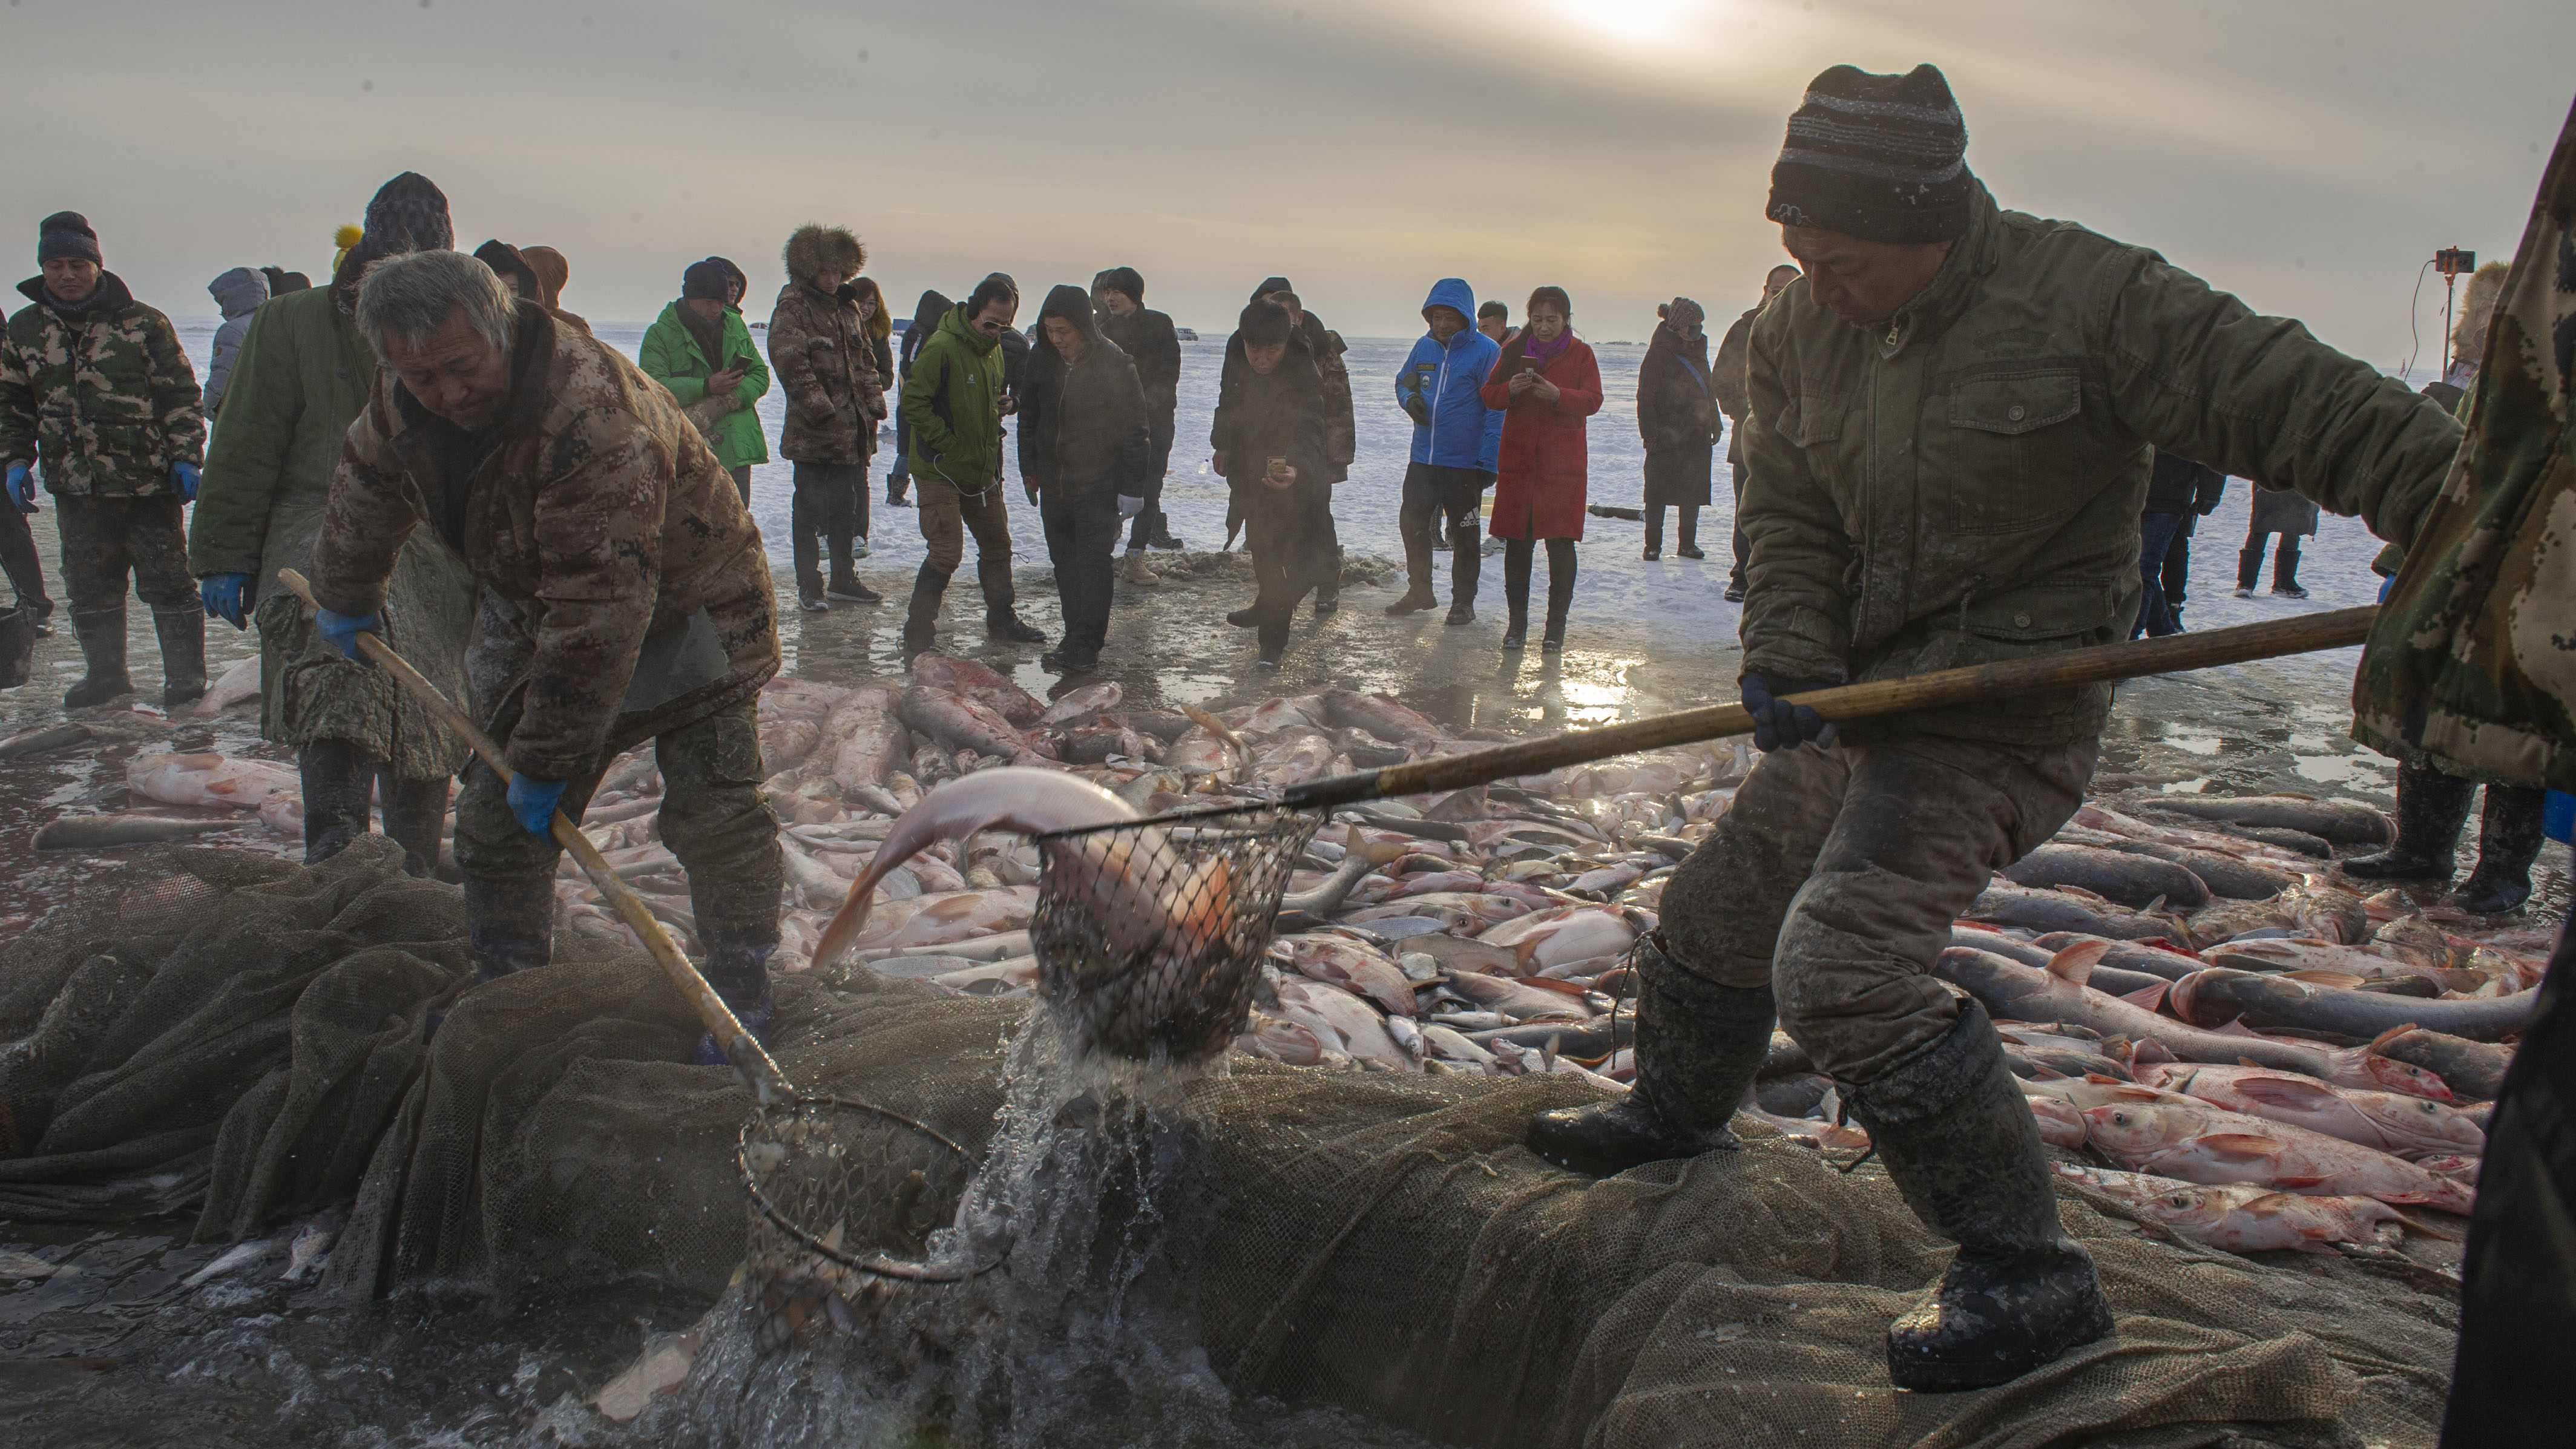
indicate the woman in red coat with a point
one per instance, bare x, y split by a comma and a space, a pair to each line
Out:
1545, 383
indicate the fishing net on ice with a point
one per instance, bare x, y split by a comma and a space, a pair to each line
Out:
240, 1039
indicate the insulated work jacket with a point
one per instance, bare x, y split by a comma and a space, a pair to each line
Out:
827, 363
1084, 428
102, 398
953, 400
1449, 382
1962, 483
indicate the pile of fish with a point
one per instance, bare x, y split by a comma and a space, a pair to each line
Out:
2256, 1055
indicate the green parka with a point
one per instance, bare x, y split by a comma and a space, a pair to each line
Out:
301, 377
953, 401
1962, 484
671, 356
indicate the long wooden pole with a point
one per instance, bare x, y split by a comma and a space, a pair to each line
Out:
759, 1072
1977, 683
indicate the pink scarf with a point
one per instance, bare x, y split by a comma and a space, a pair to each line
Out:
1546, 352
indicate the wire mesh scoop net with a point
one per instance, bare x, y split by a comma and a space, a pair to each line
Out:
1149, 939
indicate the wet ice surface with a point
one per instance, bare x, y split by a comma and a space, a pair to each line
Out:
248, 1360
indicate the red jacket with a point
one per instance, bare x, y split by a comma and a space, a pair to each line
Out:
1539, 487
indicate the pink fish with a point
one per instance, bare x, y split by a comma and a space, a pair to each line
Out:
1090, 699
1340, 961
934, 920
963, 722
2207, 1145
1381, 716
980, 682
1200, 752
1294, 1042
2240, 1217
866, 735
2402, 1125
786, 742
784, 697
2060, 1125
208, 779
1560, 934
238, 684
1278, 713
1458, 908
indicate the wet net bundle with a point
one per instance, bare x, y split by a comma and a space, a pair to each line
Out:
244, 1039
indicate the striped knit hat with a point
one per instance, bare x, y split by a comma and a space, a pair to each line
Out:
1879, 157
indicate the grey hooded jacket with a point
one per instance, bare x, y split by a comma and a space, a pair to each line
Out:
239, 292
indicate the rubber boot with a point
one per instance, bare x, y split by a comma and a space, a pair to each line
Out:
1328, 588
1698, 1046
1560, 601
2285, 568
102, 644
2509, 839
414, 810
1465, 560
182, 633
1516, 582
339, 779
737, 967
1686, 533
509, 924
1962, 1146
1654, 534
2430, 809
921, 624
1002, 623
2249, 567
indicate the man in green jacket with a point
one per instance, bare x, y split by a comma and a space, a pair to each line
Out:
97, 397
302, 377
700, 348
955, 400
1951, 422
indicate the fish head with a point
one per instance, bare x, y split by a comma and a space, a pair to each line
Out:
2133, 1129
2180, 1207
2424, 1122
2388, 1074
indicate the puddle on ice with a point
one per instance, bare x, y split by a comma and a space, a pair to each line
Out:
2368, 771
2194, 744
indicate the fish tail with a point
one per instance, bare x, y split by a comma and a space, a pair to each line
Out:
849, 920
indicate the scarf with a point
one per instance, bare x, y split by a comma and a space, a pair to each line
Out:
708, 335
1546, 352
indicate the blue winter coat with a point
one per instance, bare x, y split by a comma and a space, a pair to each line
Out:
1464, 433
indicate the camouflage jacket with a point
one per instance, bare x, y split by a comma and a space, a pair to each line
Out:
1962, 484
1341, 436
2470, 659
825, 362
106, 400
596, 518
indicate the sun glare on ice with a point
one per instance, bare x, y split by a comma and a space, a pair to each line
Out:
1632, 22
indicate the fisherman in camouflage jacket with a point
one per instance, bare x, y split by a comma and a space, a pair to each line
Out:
96, 396
626, 597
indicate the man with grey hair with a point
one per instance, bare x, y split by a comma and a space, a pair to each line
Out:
625, 597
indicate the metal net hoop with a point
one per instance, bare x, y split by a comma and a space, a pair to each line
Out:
854, 1185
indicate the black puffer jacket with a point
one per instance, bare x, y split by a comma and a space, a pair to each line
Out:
1083, 425
1674, 408
1148, 339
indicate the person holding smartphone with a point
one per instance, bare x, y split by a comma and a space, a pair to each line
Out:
700, 348
1546, 382
1441, 387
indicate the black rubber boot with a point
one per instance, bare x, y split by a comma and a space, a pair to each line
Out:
1466, 561
1698, 1046
2430, 809
102, 644
339, 780
921, 624
1516, 582
1560, 597
1961, 1144
182, 633
2509, 839
414, 810
2249, 566
1686, 533
2285, 568
509, 924
737, 966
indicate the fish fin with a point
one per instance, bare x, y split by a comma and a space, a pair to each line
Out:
2385, 1037
2241, 1144
2340, 980
2153, 906
2048, 1074
2421, 1226
2149, 997
2236, 1027
2099, 1079
2081, 894
2076, 962
847, 922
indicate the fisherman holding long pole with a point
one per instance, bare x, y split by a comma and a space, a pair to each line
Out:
625, 597
1949, 442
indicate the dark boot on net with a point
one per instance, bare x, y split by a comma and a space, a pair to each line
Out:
1698, 1046
2509, 836
1961, 1144
182, 633
102, 644
738, 968
510, 924
2431, 806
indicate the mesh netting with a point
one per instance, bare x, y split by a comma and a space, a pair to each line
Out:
1149, 938
224, 1031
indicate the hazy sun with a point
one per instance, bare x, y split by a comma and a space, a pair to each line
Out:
1634, 22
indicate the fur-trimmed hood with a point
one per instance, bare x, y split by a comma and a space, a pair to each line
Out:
2477, 309
817, 248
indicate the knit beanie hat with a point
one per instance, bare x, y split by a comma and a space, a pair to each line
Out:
65, 234
1270, 285
1121, 279
408, 214
1879, 157
709, 279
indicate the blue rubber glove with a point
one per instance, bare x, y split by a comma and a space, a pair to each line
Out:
1778, 726
183, 481
22, 487
226, 596
534, 801
343, 629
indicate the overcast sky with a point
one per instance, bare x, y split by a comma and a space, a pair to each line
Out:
2308, 155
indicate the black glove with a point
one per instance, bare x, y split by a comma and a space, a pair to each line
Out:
1416, 409
1778, 726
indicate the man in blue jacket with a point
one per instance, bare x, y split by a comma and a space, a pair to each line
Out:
1455, 440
